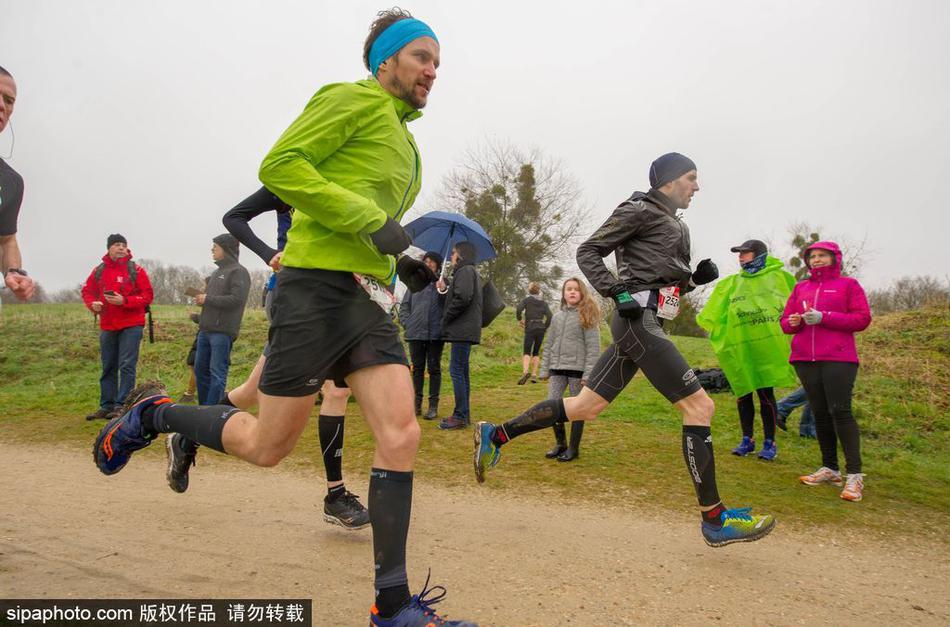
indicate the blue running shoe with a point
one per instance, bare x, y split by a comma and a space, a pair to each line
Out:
738, 525
418, 612
486, 453
769, 450
746, 446
123, 435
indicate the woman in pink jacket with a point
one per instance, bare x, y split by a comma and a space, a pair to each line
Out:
823, 313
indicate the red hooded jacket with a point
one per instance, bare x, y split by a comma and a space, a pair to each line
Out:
844, 311
115, 277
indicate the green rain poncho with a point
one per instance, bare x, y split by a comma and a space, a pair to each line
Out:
742, 318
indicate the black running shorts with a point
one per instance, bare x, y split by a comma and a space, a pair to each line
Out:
325, 327
642, 344
533, 339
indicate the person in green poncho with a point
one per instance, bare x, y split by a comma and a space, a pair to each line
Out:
742, 317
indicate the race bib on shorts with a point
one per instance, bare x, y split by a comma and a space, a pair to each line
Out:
377, 293
668, 303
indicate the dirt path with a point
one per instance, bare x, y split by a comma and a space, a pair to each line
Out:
241, 532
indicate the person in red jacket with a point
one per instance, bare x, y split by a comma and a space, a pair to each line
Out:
118, 292
823, 313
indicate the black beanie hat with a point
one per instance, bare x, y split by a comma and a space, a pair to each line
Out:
115, 238
669, 167
229, 243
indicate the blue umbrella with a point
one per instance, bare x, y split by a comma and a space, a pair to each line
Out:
439, 230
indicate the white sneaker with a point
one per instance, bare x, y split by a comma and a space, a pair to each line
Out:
854, 488
822, 475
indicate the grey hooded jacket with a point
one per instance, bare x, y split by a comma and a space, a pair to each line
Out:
569, 346
650, 243
225, 292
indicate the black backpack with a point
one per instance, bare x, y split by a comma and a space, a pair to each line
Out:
713, 380
133, 272
492, 304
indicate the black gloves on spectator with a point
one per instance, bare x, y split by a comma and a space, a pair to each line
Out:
627, 306
706, 272
415, 274
391, 239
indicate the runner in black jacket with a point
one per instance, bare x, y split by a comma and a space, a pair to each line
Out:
651, 245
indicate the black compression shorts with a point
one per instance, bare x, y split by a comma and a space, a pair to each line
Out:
325, 327
642, 344
533, 338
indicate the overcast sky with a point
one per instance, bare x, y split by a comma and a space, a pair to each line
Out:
151, 118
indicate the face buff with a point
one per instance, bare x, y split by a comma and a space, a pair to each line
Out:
756, 264
392, 40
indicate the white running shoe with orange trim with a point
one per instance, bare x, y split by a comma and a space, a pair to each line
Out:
854, 488
822, 475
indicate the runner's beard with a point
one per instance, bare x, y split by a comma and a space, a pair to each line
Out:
406, 93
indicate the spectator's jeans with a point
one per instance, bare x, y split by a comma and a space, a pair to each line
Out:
119, 351
424, 355
458, 370
212, 360
806, 427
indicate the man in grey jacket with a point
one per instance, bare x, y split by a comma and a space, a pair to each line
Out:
652, 250
222, 308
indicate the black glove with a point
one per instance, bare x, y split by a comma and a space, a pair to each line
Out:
391, 239
627, 306
415, 274
706, 272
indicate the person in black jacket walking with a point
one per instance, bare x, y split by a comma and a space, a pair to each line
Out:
222, 308
421, 316
537, 319
462, 326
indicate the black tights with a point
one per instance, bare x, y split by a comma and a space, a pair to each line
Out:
766, 409
828, 385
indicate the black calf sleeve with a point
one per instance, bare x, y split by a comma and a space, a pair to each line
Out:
204, 425
543, 415
330, 430
698, 453
390, 505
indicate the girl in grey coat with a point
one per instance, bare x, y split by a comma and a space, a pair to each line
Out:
571, 350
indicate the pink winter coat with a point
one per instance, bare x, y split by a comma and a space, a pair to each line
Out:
844, 311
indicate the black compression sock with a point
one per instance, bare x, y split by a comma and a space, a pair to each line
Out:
390, 506
204, 424
330, 430
335, 492
543, 415
701, 464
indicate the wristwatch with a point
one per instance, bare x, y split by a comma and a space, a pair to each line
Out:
19, 271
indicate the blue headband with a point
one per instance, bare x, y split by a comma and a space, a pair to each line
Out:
392, 40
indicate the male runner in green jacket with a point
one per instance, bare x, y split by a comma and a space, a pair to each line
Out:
350, 168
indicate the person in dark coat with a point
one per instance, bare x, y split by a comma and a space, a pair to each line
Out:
462, 326
222, 309
537, 319
421, 316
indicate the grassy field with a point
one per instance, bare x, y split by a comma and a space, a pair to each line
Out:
49, 368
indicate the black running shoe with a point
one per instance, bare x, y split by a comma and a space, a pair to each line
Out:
181, 457
346, 511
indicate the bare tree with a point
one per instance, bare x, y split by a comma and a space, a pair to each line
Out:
529, 205
909, 293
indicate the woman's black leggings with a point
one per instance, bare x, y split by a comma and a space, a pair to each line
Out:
828, 385
766, 408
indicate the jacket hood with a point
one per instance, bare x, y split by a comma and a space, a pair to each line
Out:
229, 244
829, 272
404, 110
771, 265
654, 197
